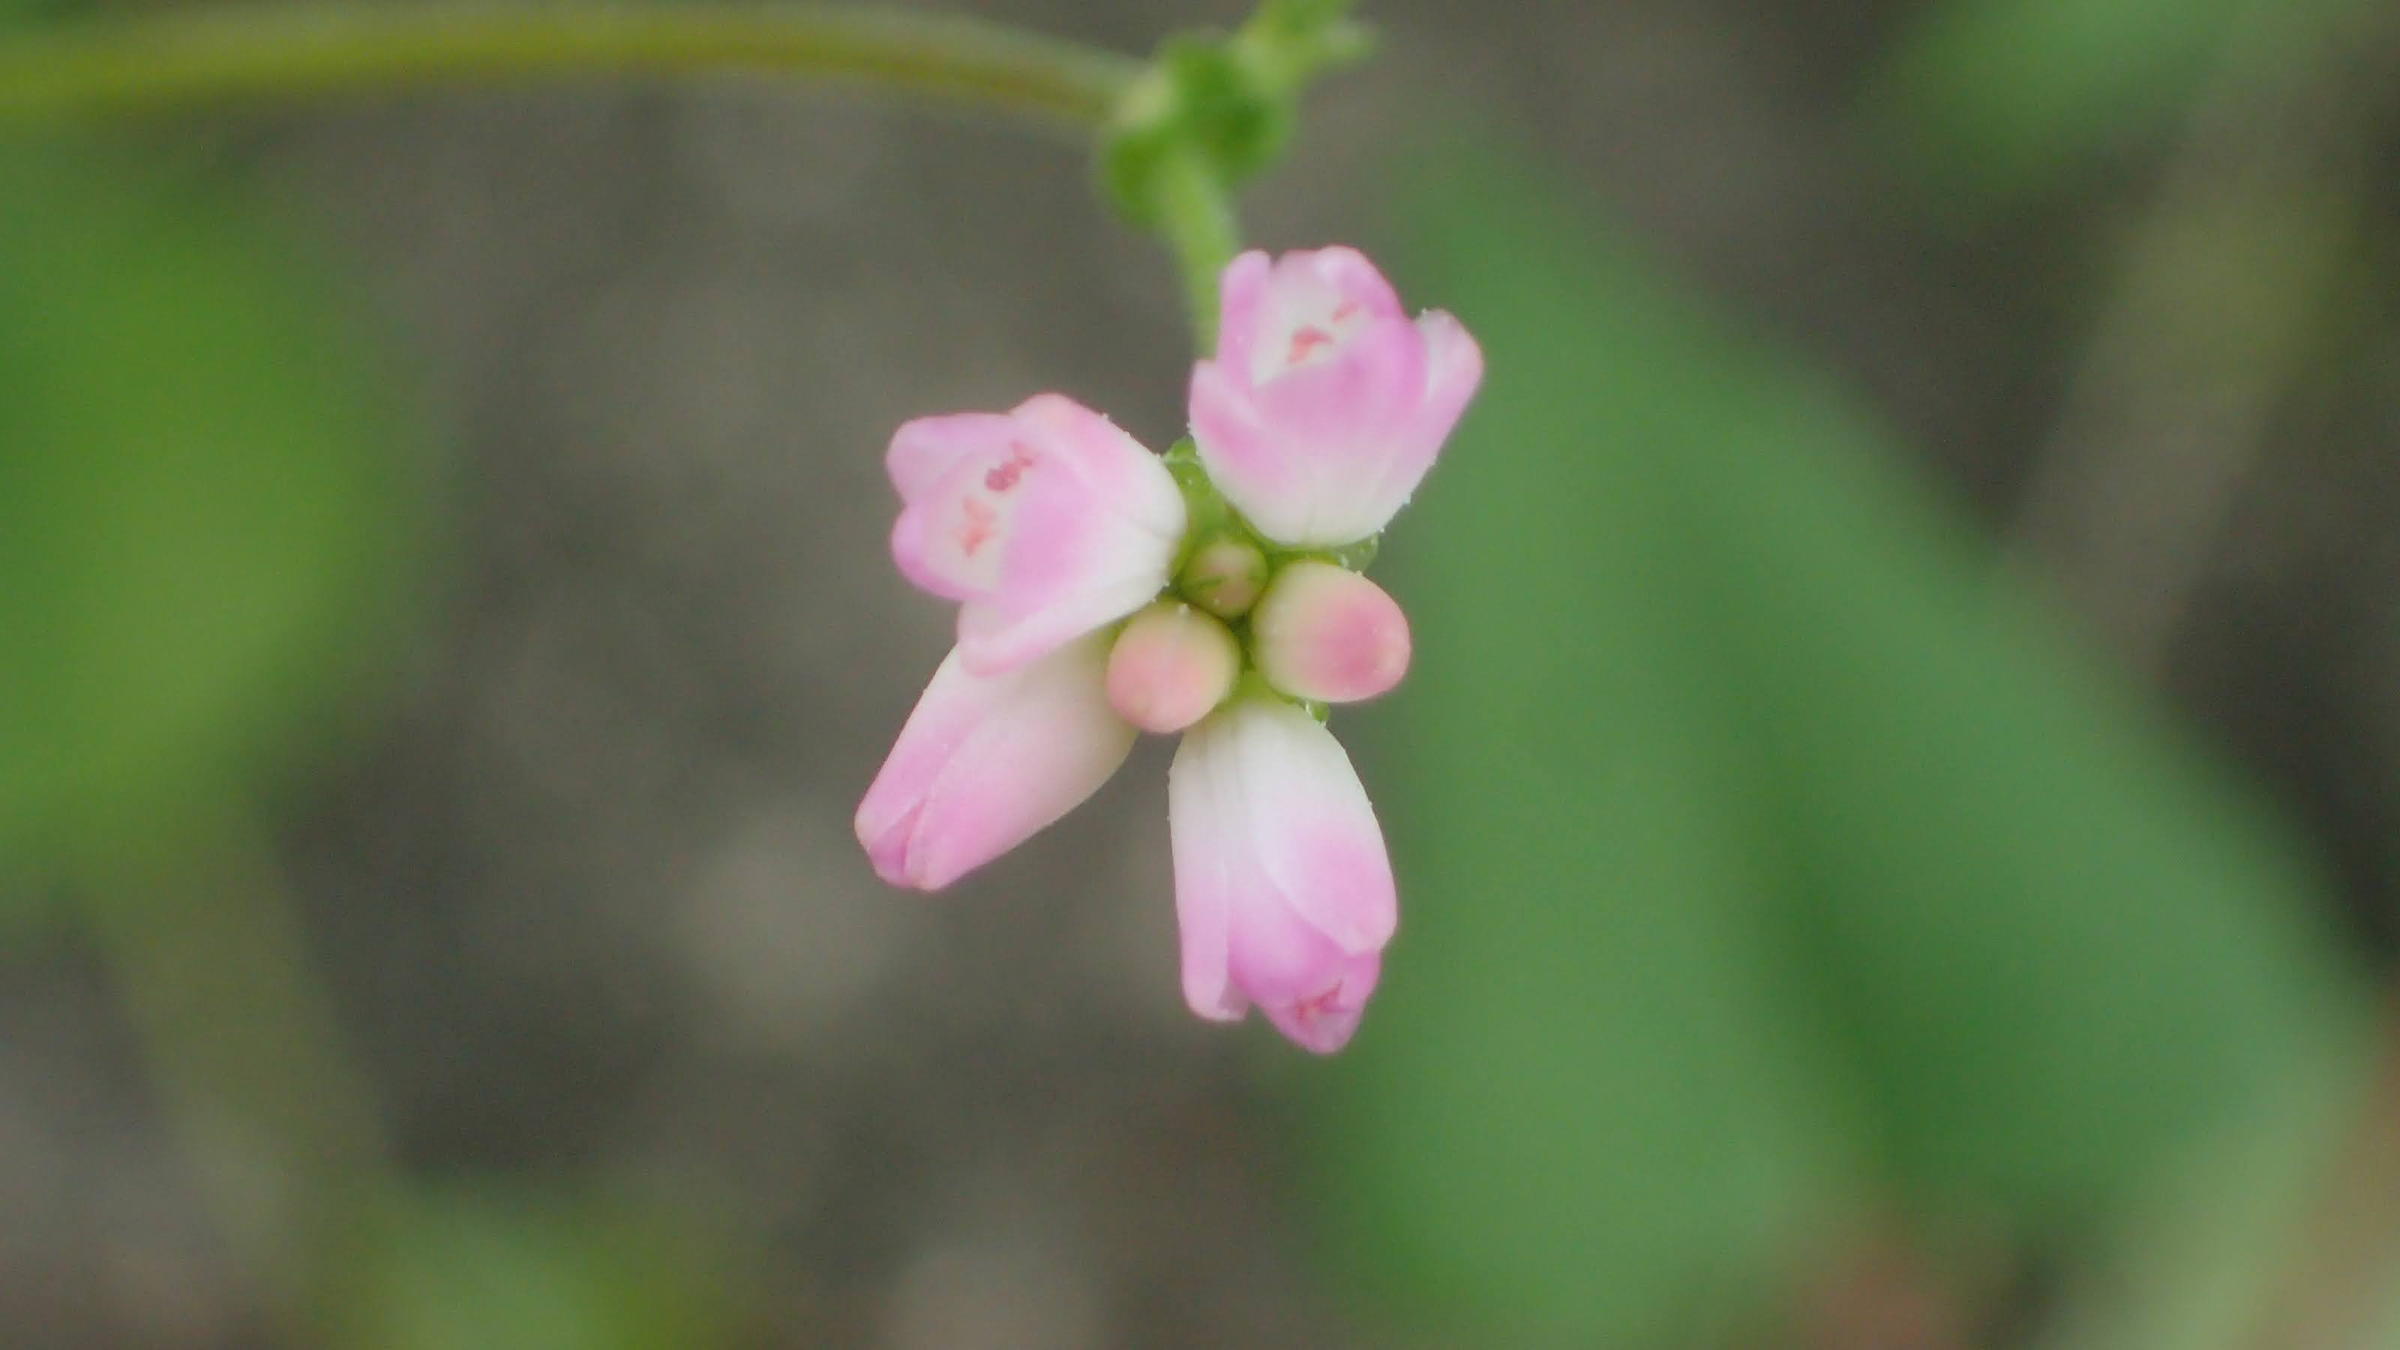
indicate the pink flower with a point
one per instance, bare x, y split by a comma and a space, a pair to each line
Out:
987, 761
1325, 404
1085, 612
1043, 523
1283, 891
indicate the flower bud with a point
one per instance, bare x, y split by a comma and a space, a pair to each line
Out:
1224, 576
1283, 888
1328, 635
1325, 404
1170, 666
987, 761
1044, 523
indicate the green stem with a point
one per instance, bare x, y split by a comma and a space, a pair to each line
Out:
147, 62
1195, 215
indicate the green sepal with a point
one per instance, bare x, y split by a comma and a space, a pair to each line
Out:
1354, 556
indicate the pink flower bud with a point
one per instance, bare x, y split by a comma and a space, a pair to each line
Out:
1283, 891
1044, 523
1325, 404
1329, 635
987, 761
1171, 665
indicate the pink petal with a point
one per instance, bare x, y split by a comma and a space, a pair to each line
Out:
1205, 826
1319, 842
1233, 439
918, 552
1325, 406
1348, 403
1325, 1021
1001, 634
1044, 524
1282, 890
1454, 368
1357, 281
1119, 473
1242, 308
926, 449
984, 763
1453, 374
1308, 457
1309, 306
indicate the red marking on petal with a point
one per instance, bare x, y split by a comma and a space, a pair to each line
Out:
981, 523
1306, 341
1348, 309
1003, 476
1308, 1010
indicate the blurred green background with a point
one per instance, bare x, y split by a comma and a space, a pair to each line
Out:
1895, 809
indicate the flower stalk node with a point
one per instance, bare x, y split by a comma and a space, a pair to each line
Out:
1227, 100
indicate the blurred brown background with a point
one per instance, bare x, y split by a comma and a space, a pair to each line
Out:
587, 899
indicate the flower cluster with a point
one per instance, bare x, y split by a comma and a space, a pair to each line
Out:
1103, 591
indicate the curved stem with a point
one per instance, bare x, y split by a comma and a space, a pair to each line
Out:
148, 62
1195, 216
